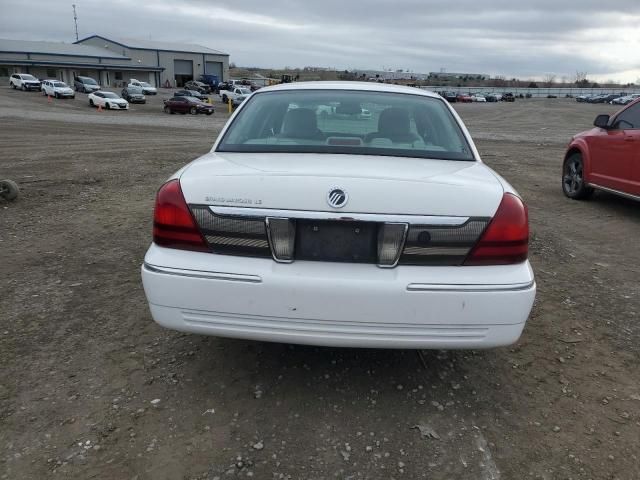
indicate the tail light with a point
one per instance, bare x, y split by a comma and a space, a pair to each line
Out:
173, 224
506, 238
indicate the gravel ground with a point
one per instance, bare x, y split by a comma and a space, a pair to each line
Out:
90, 387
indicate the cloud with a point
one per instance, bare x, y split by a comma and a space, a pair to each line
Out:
497, 37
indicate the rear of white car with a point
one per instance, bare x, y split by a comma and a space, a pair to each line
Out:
348, 232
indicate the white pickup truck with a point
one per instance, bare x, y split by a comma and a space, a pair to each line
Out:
236, 94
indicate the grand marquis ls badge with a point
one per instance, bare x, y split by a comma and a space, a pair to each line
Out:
337, 198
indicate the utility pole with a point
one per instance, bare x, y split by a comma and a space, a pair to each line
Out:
75, 20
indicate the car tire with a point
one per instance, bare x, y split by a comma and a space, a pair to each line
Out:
107, 106
193, 111
166, 109
573, 184
24, 89
9, 189
209, 113
225, 99
56, 95
91, 103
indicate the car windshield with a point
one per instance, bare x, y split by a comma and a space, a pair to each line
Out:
333, 121
145, 84
109, 95
28, 77
88, 81
59, 84
193, 99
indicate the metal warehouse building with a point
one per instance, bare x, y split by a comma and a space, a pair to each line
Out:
179, 63
112, 62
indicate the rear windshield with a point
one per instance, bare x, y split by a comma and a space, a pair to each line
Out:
347, 121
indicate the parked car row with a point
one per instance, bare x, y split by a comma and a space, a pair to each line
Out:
183, 101
454, 97
611, 98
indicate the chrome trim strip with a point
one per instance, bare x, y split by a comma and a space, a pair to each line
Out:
430, 220
615, 192
433, 287
231, 277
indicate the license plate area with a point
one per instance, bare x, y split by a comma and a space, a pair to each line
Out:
336, 241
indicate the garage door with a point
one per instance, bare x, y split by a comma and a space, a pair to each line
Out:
214, 68
183, 67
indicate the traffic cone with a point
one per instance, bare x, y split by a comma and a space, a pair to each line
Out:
49, 98
99, 108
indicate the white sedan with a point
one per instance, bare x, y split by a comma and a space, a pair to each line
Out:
108, 100
478, 98
305, 228
57, 89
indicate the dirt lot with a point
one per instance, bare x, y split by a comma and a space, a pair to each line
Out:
90, 387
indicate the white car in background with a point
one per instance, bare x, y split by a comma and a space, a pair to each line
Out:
24, 81
57, 89
147, 89
626, 99
478, 98
108, 100
306, 228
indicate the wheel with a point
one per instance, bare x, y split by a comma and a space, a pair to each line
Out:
225, 99
56, 95
193, 111
9, 189
91, 103
13, 85
24, 88
209, 113
573, 184
106, 105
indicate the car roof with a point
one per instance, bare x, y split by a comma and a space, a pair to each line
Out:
352, 86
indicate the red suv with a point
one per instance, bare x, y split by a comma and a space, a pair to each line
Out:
606, 157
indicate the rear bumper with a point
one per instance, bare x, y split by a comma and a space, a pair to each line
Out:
342, 305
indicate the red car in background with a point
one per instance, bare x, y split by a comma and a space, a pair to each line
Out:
464, 98
192, 105
606, 157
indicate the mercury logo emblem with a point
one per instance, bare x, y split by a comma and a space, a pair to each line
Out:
337, 198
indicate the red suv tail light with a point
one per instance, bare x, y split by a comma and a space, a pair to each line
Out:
506, 238
173, 224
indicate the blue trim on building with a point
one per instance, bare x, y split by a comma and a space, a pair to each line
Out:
119, 57
96, 66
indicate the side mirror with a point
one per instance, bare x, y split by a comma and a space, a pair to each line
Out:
601, 121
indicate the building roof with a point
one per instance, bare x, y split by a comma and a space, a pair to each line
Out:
56, 48
156, 45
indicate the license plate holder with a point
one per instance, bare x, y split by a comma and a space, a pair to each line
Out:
336, 241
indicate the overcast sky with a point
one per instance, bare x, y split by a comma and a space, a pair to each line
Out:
498, 37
